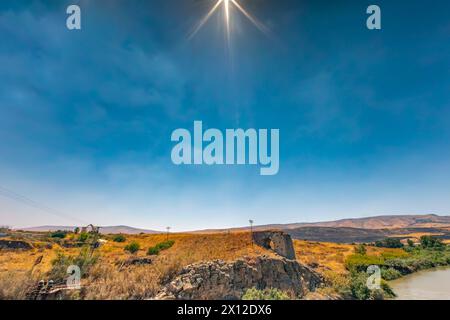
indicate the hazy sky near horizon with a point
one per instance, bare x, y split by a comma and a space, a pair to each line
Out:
86, 116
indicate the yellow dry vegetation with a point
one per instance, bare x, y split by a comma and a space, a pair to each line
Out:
330, 257
110, 278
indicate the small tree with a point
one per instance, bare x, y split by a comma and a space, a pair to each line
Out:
410, 243
133, 247
77, 230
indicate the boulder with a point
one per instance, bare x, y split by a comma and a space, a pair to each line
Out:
278, 241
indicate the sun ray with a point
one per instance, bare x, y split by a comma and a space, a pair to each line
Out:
227, 16
227, 7
257, 24
206, 18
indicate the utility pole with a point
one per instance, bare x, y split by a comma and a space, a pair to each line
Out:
168, 229
251, 230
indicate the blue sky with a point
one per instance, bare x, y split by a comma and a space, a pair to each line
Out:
86, 116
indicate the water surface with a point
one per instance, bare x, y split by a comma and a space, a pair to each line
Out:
433, 284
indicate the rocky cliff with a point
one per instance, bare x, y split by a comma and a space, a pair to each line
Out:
220, 280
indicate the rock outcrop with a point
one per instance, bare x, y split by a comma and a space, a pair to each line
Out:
277, 241
15, 245
220, 280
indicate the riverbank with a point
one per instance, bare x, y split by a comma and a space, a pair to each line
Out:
394, 263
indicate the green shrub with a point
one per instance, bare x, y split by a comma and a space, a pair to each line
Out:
389, 243
119, 238
83, 237
153, 251
160, 247
387, 290
358, 285
133, 247
431, 242
360, 290
267, 294
390, 274
58, 234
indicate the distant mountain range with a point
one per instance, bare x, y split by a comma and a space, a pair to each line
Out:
361, 229
104, 230
371, 223
346, 230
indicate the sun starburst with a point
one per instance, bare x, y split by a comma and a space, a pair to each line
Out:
227, 6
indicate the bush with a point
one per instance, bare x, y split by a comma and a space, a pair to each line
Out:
153, 251
119, 238
389, 243
390, 274
360, 249
133, 247
360, 290
160, 247
83, 237
431, 242
58, 234
358, 286
267, 294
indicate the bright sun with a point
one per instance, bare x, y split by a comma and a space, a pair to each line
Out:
227, 6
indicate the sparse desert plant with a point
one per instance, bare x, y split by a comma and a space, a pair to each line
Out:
133, 247
119, 238
267, 294
84, 260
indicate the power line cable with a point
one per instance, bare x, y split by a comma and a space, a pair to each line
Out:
27, 201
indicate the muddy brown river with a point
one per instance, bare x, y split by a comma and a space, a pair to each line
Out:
431, 284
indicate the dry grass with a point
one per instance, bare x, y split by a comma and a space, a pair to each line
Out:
330, 257
15, 285
108, 279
